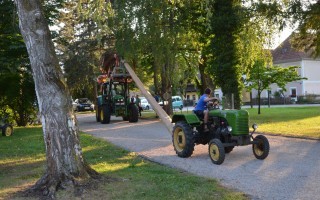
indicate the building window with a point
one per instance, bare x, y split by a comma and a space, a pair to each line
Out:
188, 97
193, 97
293, 92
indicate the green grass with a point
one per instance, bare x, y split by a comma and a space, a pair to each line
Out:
288, 121
22, 162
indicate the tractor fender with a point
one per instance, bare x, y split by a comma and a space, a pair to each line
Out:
191, 119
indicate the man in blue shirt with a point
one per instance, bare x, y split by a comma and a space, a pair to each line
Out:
201, 108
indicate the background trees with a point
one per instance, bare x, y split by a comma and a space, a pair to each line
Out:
211, 44
17, 94
150, 34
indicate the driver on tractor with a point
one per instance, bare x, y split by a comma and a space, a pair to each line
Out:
201, 109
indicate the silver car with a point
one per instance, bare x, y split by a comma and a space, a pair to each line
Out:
145, 104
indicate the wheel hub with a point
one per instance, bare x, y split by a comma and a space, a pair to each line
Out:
214, 153
179, 139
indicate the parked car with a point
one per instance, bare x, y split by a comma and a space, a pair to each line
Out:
145, 104
176, 102
83, 104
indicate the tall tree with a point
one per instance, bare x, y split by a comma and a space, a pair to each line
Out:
240, 32
65, 162
174, 55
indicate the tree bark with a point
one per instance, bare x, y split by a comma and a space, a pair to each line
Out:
166, 88
65, 162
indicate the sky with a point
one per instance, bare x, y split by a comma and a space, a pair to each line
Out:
282, 36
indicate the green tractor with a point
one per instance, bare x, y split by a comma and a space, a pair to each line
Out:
227, 129
114, 98
5, 127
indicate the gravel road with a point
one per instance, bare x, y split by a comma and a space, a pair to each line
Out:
291, 171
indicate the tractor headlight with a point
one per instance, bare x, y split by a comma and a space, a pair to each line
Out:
254, 126
229, 128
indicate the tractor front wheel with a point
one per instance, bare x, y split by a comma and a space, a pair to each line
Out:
261, 147
7, 130
182, 139
216, 151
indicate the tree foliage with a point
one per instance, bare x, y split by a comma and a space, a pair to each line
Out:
262, 76
308, 32
80, 45
301, 16
139, 24
239, 36
17, 87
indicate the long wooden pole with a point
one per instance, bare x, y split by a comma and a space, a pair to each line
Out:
166, 119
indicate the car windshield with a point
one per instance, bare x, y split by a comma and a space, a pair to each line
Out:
144, 101
84, 101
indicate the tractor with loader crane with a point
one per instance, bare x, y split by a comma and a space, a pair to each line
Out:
113, 92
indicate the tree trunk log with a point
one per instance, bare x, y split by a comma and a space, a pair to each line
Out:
65, 162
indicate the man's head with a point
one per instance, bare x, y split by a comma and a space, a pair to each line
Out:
207, 91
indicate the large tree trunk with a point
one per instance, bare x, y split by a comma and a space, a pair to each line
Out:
166, 88
65, 162
206, 80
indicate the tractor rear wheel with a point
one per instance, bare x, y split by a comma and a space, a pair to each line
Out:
133, 113
261, 148
182, 139
105, 114
7, 130
216, 151
98, 114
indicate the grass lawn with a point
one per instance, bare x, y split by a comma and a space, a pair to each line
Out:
288, 121
126, 176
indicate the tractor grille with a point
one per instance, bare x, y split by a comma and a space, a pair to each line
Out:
238, 120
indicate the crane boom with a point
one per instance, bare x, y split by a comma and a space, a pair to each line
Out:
166, 119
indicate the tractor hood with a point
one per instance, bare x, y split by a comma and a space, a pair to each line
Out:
237, 119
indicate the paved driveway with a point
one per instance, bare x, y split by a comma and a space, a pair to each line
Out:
291, 171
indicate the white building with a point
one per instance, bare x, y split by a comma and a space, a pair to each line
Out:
284, 55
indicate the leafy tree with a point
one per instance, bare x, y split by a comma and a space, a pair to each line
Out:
139, 24
80, 45
239, 34
65, 162
17, 88
262, 76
